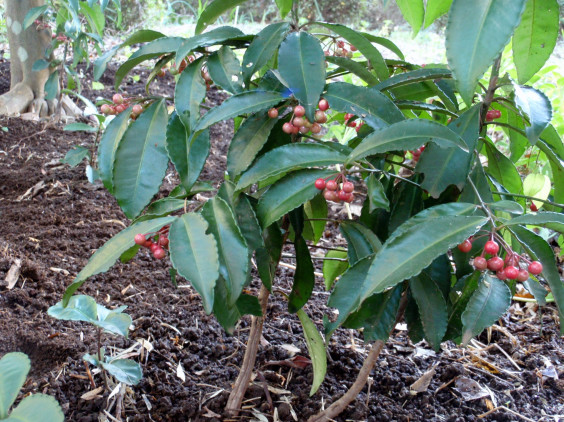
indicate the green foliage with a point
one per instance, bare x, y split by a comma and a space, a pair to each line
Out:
14, 368
425, 170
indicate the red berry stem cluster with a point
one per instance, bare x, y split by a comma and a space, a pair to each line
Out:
120, 105
156, 242
492, 115
417, 153
513, 267
340, 49
299, 123
354, 123
331, 190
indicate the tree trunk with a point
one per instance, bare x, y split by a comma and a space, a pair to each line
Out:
26, 46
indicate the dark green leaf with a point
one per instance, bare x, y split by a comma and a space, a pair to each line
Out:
79, 127
189, 93
535, 37
52, 86
376, 194
537, 290
14, 368
248, 141
149, 51
316, 349
143, 35
129, 254
413, 11
432, 308
124, 370
334, 268
363, 45
231, 246
301, 64
32, 14
108, 146
361, 241
141, 160
237, 105
370, 105
37, 407
212, 37
412, 77
262, 48
315, 210
503, 170
431, 108
354, 67
487, 305
225, 70
459, 300
188, 156
213, 11
40, 65
248, 223
377, 315
384, 42
289, 157
110, 252
511, 207
537, 107
304, 279
407, 201
288, 194
405, 135
194, 254
75, 156
443, 167
227, 315
249, 305
476, 34
269, 255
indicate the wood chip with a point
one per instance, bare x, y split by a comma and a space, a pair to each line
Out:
93, 394
423, 382
14, 273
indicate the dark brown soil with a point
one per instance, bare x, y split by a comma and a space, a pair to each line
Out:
53, 220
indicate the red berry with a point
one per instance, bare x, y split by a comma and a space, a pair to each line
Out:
163, 240
148, 243
523, 275
340, 43
331, 195
343, 196
501, 275
351, 124
535, 268
323, 105
348, 116
320, 183
117, 99
495, 263
273, 113
299, 111
492, 115
534, 207
121, 108
298, 121
350, 198
158, 252
491, 247
315, 128
288, 128
320, 116
304, 129
154, 247
105, 109
137, 110
511, 272
480, 263
140, 239
352, 47
331, 185
348, 187
465, 246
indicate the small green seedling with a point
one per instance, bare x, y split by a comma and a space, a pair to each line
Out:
85, 308
14, 368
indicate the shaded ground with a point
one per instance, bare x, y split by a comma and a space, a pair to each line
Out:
53, 220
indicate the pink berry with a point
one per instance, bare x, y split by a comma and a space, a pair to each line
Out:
299, 111
320, 183
117, 99
523, 275
159, 253
288, 128
323, 105
480, 263
348, 187
273, 113
331, 185
137, 109
140, 239
495, 263
535, 268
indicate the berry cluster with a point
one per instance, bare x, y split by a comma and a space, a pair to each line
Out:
331, 191
512, 267
340, 50
299, 123
492, 115
39, 25
183, 64
156, 242
120, 105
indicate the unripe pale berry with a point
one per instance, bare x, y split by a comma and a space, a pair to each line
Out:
315, 128
117, 99
137, 109
320, 116
105, 109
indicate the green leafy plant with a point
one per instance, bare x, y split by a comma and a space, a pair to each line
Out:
14, 368
84, 308
421, 167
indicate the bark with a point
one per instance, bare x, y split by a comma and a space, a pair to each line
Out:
26, 46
